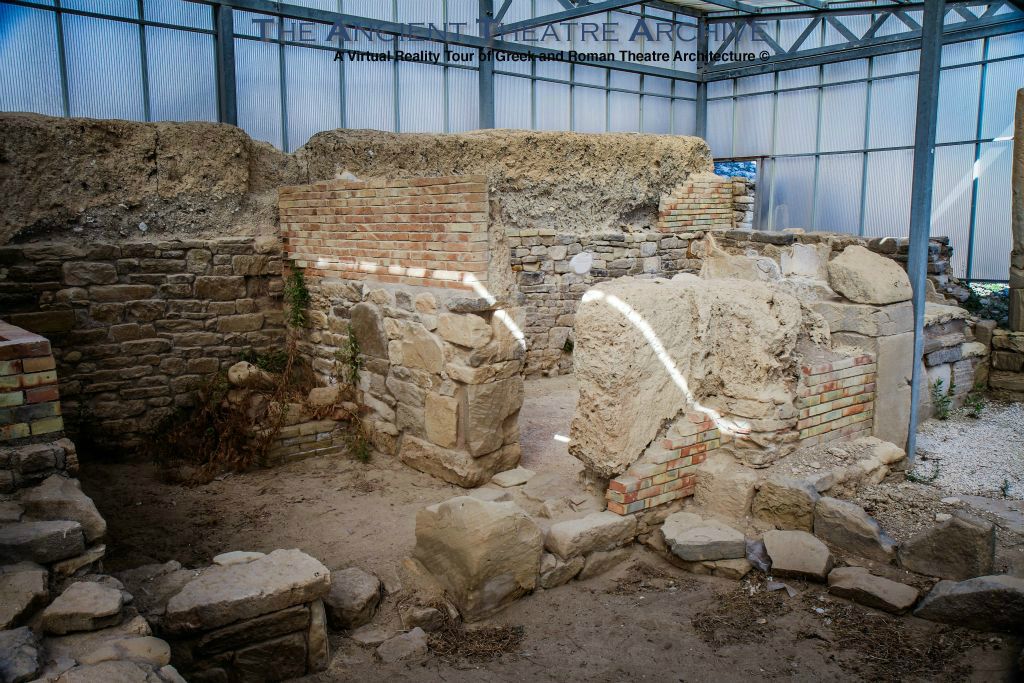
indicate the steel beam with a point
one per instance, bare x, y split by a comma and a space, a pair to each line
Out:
702, 86
224, 44
423, 33
921, 194
485, 72
902, 42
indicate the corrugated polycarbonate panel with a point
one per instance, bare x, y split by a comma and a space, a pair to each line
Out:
369, 95
465, 12
887, 201
657, 86
797, 78
962, 53
591, 75
837, 199
314, 93
844, 71
843, 109
958, 104
419, 12
29, 72
992, 234
114, 8
1010, 45
720, 128
657, 114
685, 89
179, 13
258, 84
625, 80
182, 75
512, 102
421, 98
951, 200
753, 126
104, 68
463, 98
623, 112
720, 89
684, 117
1001, 84
899, 63
755, 84
254, 25
374, 9
892, 113
589, 110
553, 111
792, 193
796, 122
791, 29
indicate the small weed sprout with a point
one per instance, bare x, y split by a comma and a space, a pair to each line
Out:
942, 399
297, 296
349, 361
975, 402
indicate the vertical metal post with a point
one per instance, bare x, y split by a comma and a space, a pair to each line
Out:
702, 85
227, 97
921, 192
486, 66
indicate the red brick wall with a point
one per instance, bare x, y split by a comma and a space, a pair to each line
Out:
29, 400
836, 400
702, 202
415, 231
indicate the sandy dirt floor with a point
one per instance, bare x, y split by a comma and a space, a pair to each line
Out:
647, 620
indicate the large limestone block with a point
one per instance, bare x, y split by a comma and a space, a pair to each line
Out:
847, 526
786, 503
42, 542
597, 531
985, 603
468, 330
694, 539
725, 489
486, 408
367, 327
441, 419
353, 599
62, 498
456, 466
865, 277
645, 349
484, 555
797, 554
418, 348
23, 589
860, 585
221, 595
83, 606
959, 548
20, 653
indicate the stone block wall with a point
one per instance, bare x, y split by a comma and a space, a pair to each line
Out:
136, 328
1007, 375
414, 231
29, 399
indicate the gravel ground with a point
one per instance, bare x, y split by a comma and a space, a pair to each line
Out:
975, 456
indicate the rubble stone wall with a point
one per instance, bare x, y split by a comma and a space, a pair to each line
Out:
136, 328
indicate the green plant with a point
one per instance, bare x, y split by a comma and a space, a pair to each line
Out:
941, 399
924, 478
349, 363
350, 358
1005, 488
297, 296
568, 346
274, 360
975, 402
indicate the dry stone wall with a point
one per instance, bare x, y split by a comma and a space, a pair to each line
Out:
137, 328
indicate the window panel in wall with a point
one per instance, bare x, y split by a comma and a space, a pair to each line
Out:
657, 114
104, 64
313, 93
991, 232
951, 199
753, 125
958, 104
179, 13
844, 71
792, 193
553, 110
29, 69
128, 9
843, 114
720, 127
369, 91
684, 117
258, 84
513, 102
589, 115
463, 100
1001, 85
893, 112
796, 123
623, 112
182, 75
837, 194
887, 201
421, 96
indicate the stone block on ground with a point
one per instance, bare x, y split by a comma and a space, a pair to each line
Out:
958, 548
724, 488
797, 554
847, 526
222, 595
42, 542
860, 585
353, 598
601, 561
404, 647
145, 649
83, 606
236, 557
280, 659
597, 531
19, 655
455, 466
429, 619
515, 477
484, 555
694, 539
23, 589
983, 603
555, 571
786, 503
62, 498
868, 278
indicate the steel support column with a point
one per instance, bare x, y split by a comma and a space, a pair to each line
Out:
485, 74
702, 85
921, 193
227, 98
